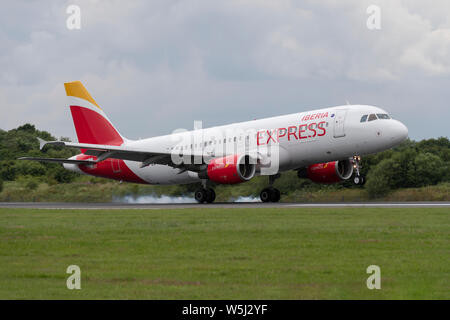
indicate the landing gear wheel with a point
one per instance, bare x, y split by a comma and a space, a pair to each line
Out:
359, 180
363, 178
275, 196
265, 195
270, 195
205, 195
210, 195
200, 195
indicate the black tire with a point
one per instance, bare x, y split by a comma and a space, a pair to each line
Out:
363, 180
265, 195
357, 180
275, 195
200, 195
210, 195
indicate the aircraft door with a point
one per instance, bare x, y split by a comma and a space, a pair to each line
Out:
339, 121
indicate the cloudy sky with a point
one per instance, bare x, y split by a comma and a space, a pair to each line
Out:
155, 66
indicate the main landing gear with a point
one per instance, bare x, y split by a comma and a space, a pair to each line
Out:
270, 194
358, 179
205, 194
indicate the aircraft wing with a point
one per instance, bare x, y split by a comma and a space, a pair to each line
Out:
103, 152
56, 160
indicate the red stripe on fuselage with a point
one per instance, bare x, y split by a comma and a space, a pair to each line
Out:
92, 127
110, 168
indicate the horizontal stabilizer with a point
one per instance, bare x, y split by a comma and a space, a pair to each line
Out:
72, 161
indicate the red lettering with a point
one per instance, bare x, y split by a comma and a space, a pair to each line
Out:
300, 130
314, 116
320, 126
280, 135
292, 133
258, 137
270, 137
311, 128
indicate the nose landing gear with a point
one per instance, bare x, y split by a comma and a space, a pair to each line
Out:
270, 194
358, 179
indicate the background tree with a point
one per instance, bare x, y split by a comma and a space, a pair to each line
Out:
411, 164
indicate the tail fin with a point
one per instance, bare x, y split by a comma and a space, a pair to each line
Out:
91, 123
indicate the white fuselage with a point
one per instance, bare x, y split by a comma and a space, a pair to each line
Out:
310, 137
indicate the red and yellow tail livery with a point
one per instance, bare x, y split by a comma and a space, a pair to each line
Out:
91, 123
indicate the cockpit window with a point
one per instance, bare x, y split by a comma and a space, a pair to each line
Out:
372, 117
383, 116
364, 118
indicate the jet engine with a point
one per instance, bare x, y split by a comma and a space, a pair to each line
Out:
329, 172
231, 169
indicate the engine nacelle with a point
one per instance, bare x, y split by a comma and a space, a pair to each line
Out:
329, 172
230, 169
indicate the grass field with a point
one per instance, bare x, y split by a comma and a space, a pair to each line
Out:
225, 253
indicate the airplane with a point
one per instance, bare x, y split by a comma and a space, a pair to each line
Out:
324, 145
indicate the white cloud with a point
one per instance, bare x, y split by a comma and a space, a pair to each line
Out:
431, 53
155, 66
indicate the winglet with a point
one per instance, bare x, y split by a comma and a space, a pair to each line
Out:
42, 143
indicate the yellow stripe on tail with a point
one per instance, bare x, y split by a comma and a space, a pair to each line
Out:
76, 89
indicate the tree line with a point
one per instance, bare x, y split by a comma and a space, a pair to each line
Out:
411, 164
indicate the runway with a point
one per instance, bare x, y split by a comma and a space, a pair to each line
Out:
228, 205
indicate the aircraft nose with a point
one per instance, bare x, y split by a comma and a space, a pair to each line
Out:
400, 132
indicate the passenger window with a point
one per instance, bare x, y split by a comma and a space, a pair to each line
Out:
364, 118
372, 117
383, 116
